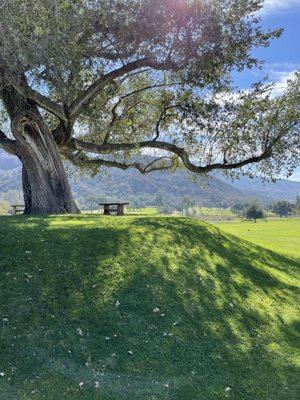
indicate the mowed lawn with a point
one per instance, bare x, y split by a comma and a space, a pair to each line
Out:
280, 235
145, 308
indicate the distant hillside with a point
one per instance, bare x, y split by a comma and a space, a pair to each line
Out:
159, 188
283, 189
8, 162
155, 188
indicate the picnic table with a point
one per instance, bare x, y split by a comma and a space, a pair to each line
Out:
110, 208
17, 208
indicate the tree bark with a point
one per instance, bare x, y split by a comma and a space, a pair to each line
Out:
45, 184
26, 191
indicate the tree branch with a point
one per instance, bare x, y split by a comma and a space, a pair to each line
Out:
162, 114
10, 146
42, 101
107, 148
87, 96
125, 96
159, 167
135, 73
98, 162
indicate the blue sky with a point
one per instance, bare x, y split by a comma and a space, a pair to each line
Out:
282, 58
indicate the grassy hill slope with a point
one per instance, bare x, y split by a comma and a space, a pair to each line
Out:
143, 308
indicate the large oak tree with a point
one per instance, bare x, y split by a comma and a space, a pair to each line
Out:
139, 84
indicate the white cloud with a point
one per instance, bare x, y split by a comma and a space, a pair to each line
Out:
281, 81
280, 73
273, 6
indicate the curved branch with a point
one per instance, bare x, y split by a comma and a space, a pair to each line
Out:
10, 146
87, 96
42, 101
159, 167
162, 115
125, 96
130, 75
98, 162
107, 148
86, 161
225, 166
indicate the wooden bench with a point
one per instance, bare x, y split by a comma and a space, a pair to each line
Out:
17, 208
108, 210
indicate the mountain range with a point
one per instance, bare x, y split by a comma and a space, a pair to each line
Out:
158, 188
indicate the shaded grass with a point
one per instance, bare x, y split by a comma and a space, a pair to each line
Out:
227, 313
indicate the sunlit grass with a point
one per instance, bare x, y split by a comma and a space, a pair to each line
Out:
281, 235
213, 211
137, 307
143, 211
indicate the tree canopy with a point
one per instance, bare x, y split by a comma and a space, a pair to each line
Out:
254, 211
146, 84
283, 208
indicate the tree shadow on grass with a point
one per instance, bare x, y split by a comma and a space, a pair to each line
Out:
150, 308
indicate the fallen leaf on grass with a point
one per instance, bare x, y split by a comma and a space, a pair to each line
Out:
80, 332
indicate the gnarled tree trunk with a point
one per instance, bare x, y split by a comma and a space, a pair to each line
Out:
45, 184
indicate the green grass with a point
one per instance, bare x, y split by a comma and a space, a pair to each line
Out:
215, 212
147, 211
79, 298
280, 235
212, 214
